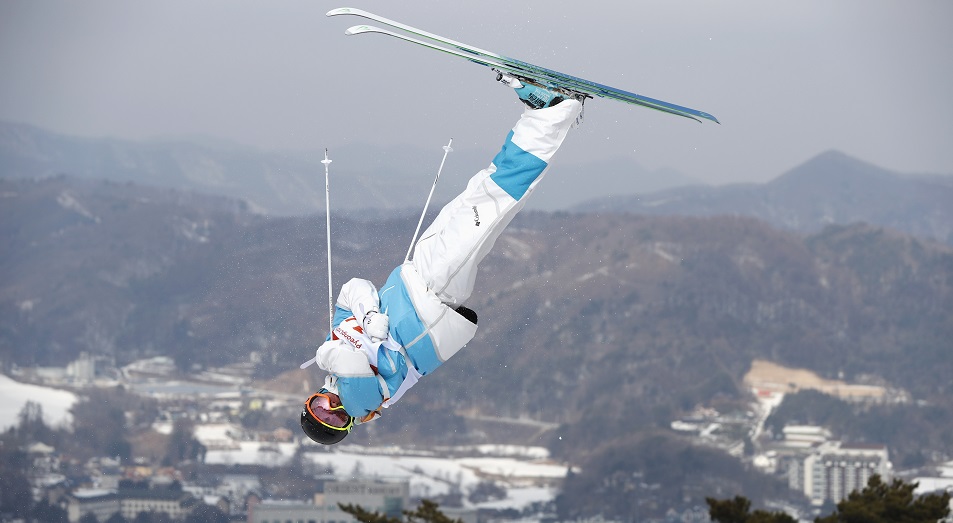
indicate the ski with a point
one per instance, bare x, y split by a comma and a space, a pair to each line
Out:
524, 71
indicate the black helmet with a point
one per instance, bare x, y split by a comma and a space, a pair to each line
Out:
333, 424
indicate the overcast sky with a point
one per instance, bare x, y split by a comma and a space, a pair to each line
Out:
787, 79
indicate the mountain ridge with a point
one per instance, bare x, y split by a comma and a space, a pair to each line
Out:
289, 183
830, 188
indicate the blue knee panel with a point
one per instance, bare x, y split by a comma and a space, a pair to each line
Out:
516, 169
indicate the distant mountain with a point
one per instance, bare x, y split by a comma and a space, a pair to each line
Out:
831, 188
613, 175
269, 182
374, 181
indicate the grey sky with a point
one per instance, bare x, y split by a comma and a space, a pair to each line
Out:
787, 79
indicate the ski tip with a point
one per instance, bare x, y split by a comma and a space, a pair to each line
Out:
342, 11
358, 29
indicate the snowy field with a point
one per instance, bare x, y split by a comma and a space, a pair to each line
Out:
433, 476
520, 470
55, 402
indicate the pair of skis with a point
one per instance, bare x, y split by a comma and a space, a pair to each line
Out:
505, 66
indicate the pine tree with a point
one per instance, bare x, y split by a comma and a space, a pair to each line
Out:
894, 503
876, 503
737, 511
15, 494
427, 512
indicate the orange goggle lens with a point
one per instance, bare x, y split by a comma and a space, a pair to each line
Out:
319, 406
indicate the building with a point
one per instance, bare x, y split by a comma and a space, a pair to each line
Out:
220, 502
82, 370
940, 482
176, 503
285, 512
375, 496
233, 487
390, 498
805, 436
88, 367
101, 503
832, 470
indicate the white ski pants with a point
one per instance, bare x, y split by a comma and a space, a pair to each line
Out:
449, 251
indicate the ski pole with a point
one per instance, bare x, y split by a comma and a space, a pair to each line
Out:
446, 150
327, 221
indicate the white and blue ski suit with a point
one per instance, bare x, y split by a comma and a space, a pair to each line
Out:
419, 296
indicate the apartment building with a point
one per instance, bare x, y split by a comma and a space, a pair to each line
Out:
831, 470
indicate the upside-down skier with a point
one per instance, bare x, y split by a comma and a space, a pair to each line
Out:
384, 341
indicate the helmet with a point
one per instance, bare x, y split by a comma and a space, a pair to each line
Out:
323, 423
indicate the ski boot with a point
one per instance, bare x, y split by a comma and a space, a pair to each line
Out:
535, 95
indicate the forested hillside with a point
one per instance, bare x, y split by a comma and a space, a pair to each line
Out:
608, 325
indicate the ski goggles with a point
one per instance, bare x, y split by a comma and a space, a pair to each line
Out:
336, 418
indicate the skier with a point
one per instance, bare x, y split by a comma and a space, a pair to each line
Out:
383, 342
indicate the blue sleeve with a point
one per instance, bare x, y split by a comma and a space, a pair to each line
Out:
360, 395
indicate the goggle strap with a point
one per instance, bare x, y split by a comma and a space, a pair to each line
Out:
371, 416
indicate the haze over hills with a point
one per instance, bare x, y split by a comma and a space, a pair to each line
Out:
830, 188
378, 181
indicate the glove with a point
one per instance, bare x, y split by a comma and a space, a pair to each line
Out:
376, 325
